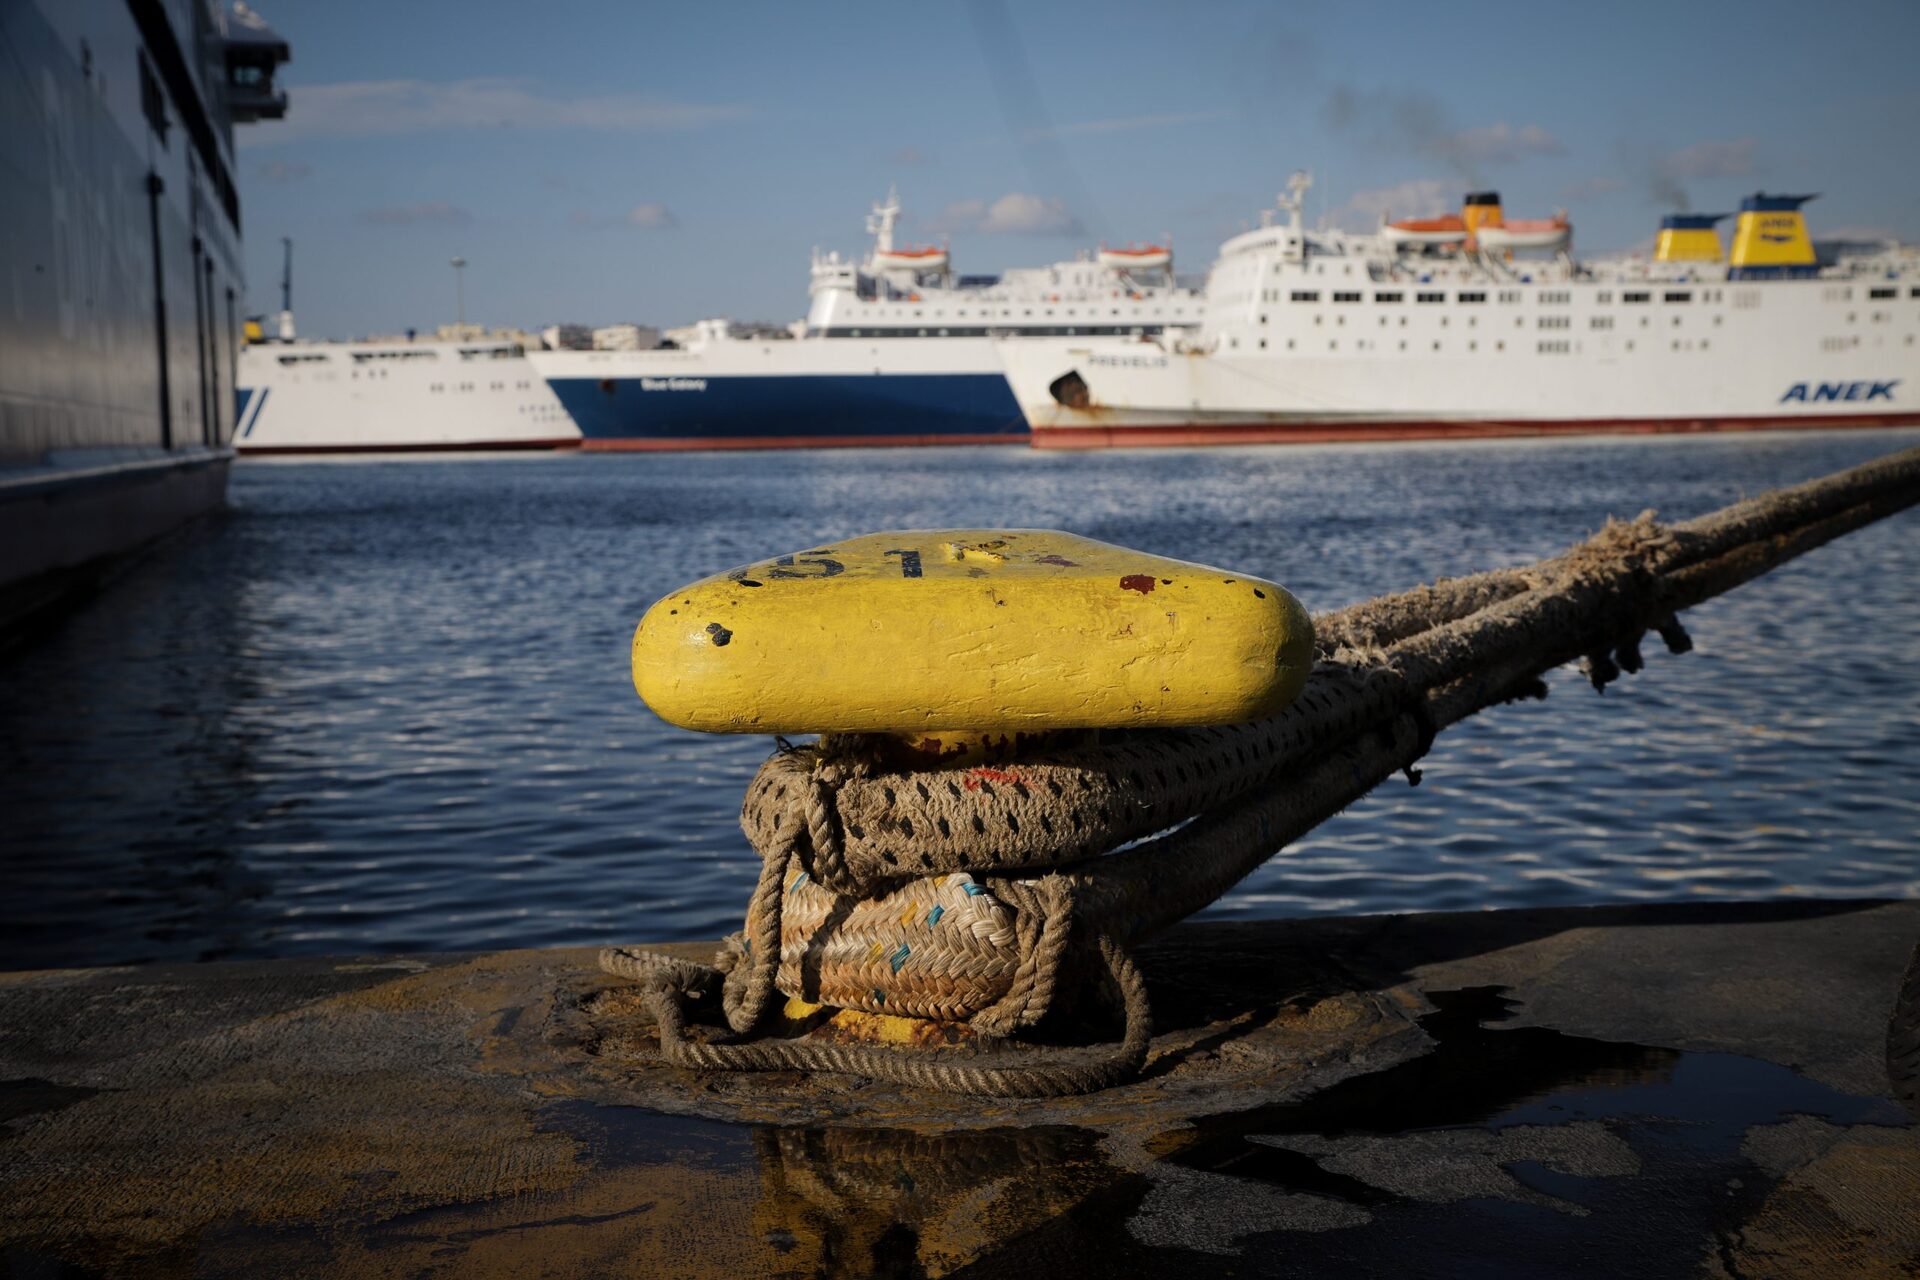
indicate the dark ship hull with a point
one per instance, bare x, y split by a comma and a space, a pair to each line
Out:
121, 280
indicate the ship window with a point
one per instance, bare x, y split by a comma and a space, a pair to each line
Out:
1473, 297
1601, 322
1677, 295
1914, 292
1605, 295
1883, 293
1509, 295
1635, 295
1306, 295
1388, 297
1555, 322
1346, 297
1430, 297
1555, 297
306, 359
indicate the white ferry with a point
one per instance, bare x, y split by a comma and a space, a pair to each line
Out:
394, 396
1446, 327
894, 350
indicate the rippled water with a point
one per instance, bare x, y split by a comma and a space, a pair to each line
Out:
385, 706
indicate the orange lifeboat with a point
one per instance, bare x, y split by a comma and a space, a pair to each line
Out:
1138, 257
924, 258
1450, 229
1527, 233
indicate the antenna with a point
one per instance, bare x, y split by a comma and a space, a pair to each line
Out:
286, 289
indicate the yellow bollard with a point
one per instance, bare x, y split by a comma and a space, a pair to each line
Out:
968, 639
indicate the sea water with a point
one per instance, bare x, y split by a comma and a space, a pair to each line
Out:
385, 705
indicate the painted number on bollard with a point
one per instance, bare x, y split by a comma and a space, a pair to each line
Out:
812, 565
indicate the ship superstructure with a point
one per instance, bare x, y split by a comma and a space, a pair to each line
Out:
895, 350
118, 349
1449, 326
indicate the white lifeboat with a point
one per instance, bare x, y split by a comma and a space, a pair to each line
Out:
1450, 229
1138, 257
925, 258
1527, 233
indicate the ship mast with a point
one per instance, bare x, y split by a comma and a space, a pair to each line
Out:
286, 289
880, 221
1294, 201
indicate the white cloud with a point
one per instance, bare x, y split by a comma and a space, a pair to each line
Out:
389, 108
652, 215
435, 212
1015, 213
1500, 144
1420, 198
1859, 234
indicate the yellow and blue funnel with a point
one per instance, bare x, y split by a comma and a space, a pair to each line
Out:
1770, 239
1688, 237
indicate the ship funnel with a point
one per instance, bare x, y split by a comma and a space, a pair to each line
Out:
1482, 209
1689, 237
1770, 239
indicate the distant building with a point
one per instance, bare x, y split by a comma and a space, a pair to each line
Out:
626, 337
738, 330
567, 337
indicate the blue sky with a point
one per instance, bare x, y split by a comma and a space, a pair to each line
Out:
598, 161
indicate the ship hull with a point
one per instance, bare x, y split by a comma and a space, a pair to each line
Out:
807, 393
1176, 434
346, 398
1788, 354
117, 350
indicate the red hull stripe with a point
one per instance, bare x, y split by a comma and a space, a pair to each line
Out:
561, 442
1336, 433
626, 444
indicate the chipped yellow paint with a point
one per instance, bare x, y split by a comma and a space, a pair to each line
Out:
859, 1027
975, 630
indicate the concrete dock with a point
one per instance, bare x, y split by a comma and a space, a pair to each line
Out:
1648, 1091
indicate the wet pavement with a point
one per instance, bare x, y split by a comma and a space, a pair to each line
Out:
1649, 1091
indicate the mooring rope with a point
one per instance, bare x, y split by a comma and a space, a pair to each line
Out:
970, 893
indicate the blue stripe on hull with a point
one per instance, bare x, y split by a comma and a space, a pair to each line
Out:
796, 409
